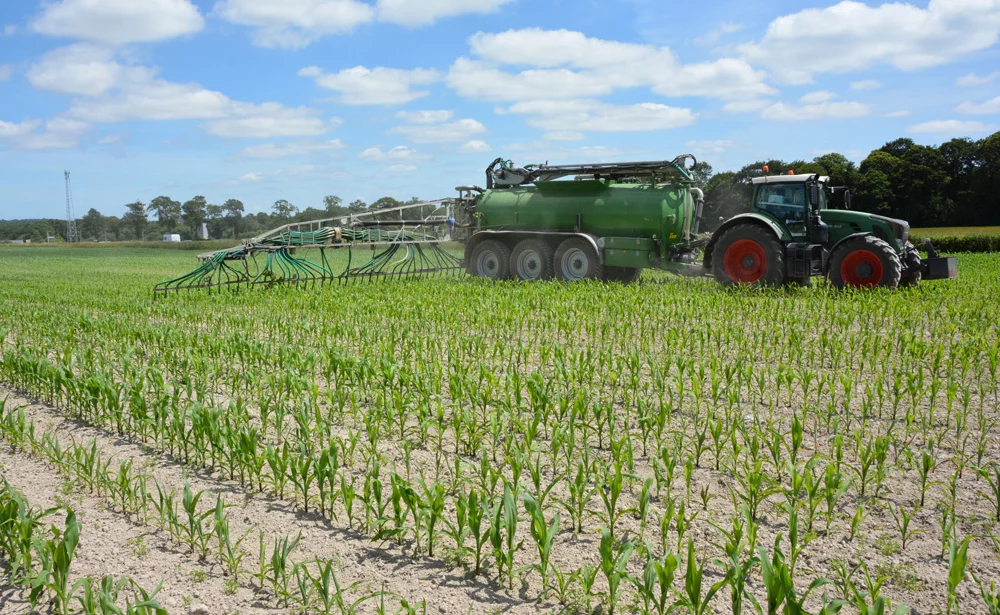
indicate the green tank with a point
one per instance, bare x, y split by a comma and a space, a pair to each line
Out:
605, 221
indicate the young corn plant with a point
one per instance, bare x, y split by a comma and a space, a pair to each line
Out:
543, 534
613, 564
958, 559
691, 598
902, 520
656, 586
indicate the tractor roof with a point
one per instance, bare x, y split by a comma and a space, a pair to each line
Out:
789, 179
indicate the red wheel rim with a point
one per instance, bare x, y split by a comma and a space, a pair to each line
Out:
745, 261
861, 269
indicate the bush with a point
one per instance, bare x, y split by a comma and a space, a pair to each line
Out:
966, 243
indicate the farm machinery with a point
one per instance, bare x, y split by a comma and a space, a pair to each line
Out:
605, 221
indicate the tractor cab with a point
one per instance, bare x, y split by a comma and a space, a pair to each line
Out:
795, 202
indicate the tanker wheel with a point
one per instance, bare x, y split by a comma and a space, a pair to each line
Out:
625, 275
491, 259
912, 266
865, 262
748, 255
576, 260
531, 259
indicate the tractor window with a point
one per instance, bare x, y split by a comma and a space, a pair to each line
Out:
787, 203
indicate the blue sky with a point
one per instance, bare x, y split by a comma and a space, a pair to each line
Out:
294, 99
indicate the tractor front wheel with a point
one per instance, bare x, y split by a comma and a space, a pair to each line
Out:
865, 262
748, 255
491, 259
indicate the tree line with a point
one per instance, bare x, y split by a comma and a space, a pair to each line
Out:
164, 215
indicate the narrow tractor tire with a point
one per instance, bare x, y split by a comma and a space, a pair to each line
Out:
912, 266
623, 275
576, 260
748, 254
490, 259
865, 262
531, 259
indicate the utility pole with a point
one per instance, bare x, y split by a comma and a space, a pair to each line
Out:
71, 234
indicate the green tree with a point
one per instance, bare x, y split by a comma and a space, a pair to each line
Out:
92, 225
168, 212
332, 205
135, 219
357, 206
283, 210
194, 212
233, 210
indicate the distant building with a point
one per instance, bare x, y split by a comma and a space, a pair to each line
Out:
173, 237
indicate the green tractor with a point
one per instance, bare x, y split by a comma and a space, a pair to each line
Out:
790, 235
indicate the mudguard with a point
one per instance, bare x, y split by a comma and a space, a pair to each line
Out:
780, 232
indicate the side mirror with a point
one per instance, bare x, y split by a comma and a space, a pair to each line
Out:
814, 194
847, 199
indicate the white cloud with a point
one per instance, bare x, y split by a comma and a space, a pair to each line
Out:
83, 69
710, 147
269, 120
592, 115
819, 111
851, 35
952, 127
482, 81
400, 152
111, 140
295, 23
990, 107
9, 30
375, 86
813, 98
108, 92
476, 146
900, 113
59, 132
973, 79
119, 21
867, 84
571, 65
714, 36
10, 129
413, 13
296, 148
6, 71
425, 117
401, 168
564, 135
448, 132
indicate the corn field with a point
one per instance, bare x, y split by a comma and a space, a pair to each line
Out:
459, 446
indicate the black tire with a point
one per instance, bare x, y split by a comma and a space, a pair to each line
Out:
912, 266
576, 260
748, 254
865, 262
623, 275
531, 259
490, 259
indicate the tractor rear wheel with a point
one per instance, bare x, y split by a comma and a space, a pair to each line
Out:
576, 260
531, 259
865, 262
491, 259
748, 254
625, 275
